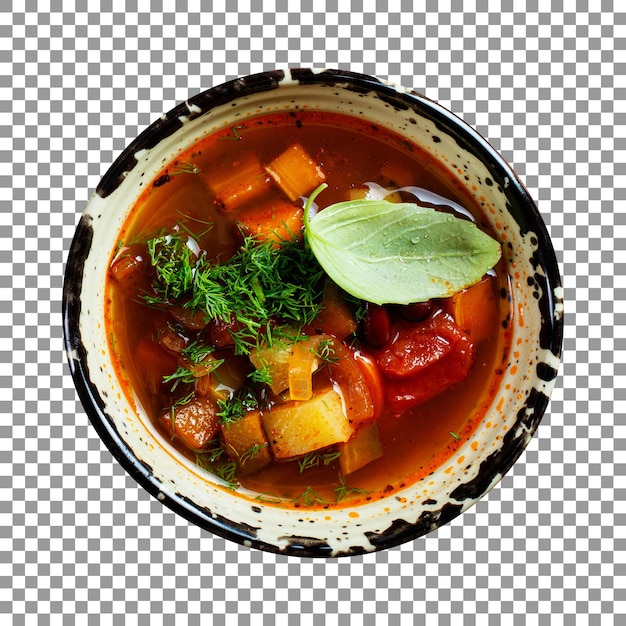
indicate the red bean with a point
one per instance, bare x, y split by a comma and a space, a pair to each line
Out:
417, 311
376, 325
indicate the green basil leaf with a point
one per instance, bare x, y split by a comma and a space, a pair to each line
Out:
386, 252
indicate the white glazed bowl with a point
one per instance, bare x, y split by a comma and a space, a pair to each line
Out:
202, 498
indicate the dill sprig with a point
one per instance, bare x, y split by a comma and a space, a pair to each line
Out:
242, 402
259, 285
343, 490
314, 459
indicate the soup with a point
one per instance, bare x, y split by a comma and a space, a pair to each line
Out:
257, 366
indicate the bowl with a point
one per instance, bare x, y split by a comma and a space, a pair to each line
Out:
478, 463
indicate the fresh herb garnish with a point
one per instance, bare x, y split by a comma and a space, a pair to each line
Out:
252, 452
233, 409
185, 168
309, 497
386, 252
259, 284
314, 459
236, 136
343, 489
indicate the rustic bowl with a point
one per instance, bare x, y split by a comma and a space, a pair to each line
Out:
418, 509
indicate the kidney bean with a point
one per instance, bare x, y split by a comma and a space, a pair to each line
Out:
376, 325
416, 311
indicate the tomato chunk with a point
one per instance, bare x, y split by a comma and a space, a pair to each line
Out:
416, 346
454, 366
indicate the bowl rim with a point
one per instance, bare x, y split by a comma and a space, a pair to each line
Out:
527, 216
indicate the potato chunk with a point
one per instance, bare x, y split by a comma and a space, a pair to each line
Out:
245, 443
297, 428
195, 422
362, 449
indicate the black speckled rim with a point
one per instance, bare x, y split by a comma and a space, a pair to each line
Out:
521, 207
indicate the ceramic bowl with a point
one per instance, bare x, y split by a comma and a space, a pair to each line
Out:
419, 509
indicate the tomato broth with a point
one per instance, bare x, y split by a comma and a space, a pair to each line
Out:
234, 188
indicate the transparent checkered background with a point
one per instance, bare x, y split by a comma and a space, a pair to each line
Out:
79, 80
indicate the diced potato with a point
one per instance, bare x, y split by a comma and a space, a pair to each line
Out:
246, 443
362, 449
474, 309
297, 428
295, 172
245, 181
276, 221
194, 423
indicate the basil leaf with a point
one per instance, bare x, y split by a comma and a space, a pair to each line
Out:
385, 252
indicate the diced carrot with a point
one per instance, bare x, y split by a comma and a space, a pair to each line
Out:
194, 423
363, 448
474, 309
246, 443
295, 172
274, 221
336, 317
245, 181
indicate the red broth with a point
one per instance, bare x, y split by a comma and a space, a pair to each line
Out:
206, 194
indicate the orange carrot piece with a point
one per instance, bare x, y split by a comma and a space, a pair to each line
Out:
274, 221
295, 172
474, 309
244, 182
336, 317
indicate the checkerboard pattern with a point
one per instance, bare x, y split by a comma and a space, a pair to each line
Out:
81, 543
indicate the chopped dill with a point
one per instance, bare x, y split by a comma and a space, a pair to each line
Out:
314, 459
252, 452
185, 168
455, 436
258, 284
236, 136
309, 497
343, 490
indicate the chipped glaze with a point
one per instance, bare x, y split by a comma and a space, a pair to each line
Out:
482, 459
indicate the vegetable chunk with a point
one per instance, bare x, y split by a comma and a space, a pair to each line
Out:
246, 181
296, 428
274, 221
245, 443
194, 423
362, 449
295, 172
